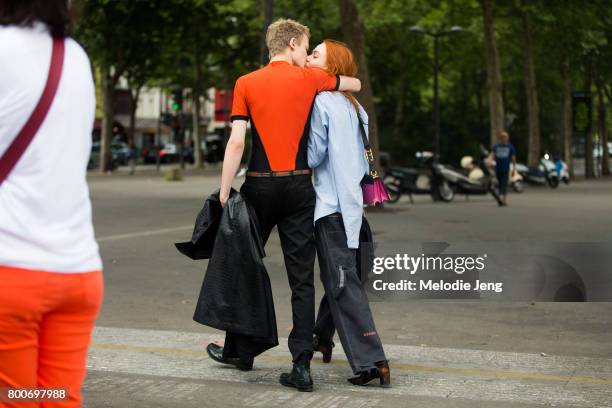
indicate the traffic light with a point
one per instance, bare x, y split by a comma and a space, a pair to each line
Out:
177, 100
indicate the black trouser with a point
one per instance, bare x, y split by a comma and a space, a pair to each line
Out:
502, 180
345, 305
288, 203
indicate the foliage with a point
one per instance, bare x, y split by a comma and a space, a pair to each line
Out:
159, 42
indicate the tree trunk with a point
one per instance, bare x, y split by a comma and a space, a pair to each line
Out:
197, 134
603, 131
108, 94
609, 96
478, 80
268, 6
589, 164
353, 31
494, 78
567, 117
400, 96
398, 118
533, 109
197, 137
465, 94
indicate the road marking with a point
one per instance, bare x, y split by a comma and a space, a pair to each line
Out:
419, 371
144, 233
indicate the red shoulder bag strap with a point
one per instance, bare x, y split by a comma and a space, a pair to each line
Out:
27, 133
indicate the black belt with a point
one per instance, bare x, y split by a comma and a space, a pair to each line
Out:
279, 173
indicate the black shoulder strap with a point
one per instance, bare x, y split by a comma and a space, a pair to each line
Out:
21, 142
366, 144
364, 137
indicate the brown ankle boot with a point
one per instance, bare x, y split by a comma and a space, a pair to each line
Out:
382, 372
325, 347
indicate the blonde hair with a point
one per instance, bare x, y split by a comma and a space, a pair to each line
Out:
281, 32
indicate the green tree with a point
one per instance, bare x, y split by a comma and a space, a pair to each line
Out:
121, 37
494, 77
353, 31
531, 90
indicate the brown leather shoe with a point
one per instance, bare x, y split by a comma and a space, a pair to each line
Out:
382, 372
323, 346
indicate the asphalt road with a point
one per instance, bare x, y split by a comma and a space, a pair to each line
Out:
446, 353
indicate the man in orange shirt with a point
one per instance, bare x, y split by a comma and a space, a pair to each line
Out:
278, 99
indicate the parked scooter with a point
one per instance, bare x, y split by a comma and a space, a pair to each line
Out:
441, 181
545, 173
411, 181
473, 179
550, 169
516, 180
562, 171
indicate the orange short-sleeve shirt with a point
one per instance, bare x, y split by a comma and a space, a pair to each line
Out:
278, 99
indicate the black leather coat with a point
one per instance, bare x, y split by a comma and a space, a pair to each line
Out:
236, 295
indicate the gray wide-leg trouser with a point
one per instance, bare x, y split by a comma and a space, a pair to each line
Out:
345, 305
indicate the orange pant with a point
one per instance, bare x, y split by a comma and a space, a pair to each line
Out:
46, 320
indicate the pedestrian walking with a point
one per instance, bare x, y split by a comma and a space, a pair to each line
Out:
504, 153
336, 153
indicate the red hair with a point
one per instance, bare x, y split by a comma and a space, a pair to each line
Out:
340, 61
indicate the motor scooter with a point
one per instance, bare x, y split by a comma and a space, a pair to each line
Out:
474, 177
412, 181
544, 174
441, 181
562, 171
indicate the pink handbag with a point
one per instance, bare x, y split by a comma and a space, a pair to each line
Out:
372, 186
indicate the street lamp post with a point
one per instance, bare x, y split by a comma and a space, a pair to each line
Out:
436, 108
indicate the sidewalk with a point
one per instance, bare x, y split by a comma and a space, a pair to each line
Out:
434, 376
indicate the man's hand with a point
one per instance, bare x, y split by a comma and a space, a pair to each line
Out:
231, 160
223, 197
489, 162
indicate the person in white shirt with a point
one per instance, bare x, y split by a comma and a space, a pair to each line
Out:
51, 284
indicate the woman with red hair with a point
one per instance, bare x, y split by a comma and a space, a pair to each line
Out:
336, 155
